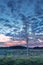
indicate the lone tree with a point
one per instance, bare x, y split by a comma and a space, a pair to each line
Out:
25, 24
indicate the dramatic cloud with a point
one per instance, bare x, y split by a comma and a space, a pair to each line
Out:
15, 14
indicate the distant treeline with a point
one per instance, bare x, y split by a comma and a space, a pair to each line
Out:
20, 47
14, 47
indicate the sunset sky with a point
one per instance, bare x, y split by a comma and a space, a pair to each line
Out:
13, 14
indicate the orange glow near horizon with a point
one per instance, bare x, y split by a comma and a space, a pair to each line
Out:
14, 43
8, 42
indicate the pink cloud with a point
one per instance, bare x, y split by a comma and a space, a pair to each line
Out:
13, 43
8, 42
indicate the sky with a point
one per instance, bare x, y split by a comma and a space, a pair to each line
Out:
14, 15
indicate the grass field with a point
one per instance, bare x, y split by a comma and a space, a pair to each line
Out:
23, 52
10, 60
19, 57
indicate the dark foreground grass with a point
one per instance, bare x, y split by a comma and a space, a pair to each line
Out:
21, 60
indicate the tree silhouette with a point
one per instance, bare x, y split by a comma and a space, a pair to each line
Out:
25, 24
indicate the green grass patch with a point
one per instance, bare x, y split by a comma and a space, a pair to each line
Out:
9, 60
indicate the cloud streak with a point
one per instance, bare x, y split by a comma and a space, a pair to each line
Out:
14, 14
